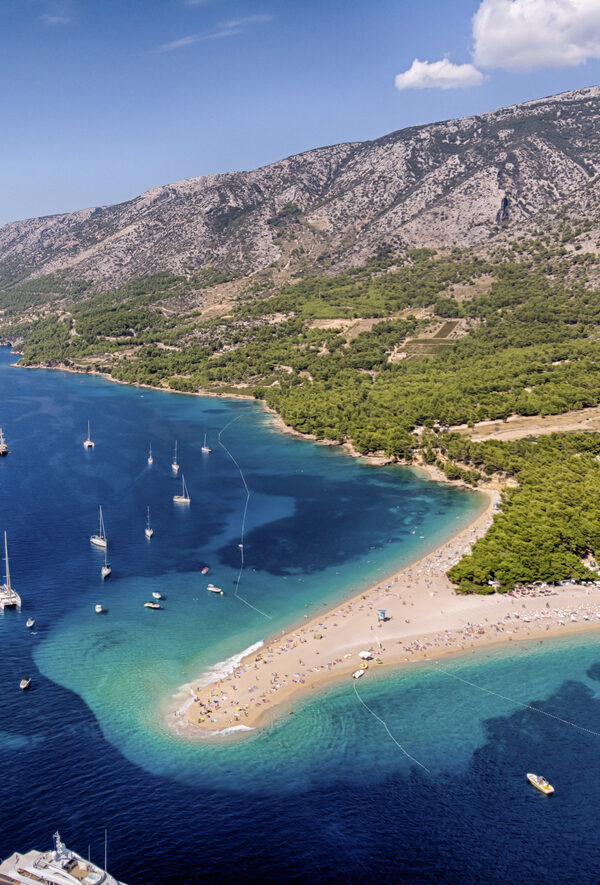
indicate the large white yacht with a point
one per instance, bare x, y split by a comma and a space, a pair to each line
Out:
58, 867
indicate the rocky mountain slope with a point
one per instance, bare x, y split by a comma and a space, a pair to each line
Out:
445, 184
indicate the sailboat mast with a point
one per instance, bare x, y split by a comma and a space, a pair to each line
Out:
8, 587
105, 848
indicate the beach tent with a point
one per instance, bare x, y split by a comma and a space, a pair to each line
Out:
365, 655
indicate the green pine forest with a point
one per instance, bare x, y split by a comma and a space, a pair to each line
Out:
388, 357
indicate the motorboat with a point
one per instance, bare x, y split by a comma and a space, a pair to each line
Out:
99, 540
89, 442
98, 608
30, 622
540, 783
212, 589
3, 446
25, 683
152, 605
57, 867
184, 497
156, 594
358, 673
204, 570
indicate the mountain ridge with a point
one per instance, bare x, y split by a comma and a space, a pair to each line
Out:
453, 182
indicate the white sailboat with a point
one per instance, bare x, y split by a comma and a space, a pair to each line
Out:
175, 465
106, 569
150, 458
3, 446
99, 540
8, 596
184, 497
205, 450
89, 442
148, 531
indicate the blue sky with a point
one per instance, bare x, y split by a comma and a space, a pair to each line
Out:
107, 98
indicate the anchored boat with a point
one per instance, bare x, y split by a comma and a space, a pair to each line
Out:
99, 540
184, 497
205, 450
88, 443
175, 465
58, 867
8, 596
3, 446
148, 531
540, 783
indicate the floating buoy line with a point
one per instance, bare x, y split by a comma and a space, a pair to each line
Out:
518, 703
398, 744
243, 529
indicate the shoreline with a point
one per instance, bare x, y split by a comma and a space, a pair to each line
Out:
325, 649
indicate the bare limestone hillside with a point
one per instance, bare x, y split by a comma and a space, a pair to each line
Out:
445, 184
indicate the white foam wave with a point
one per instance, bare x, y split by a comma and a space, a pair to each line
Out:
225, 668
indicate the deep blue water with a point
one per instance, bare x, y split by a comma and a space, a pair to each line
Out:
324, 795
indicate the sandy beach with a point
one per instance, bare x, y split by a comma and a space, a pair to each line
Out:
425, 620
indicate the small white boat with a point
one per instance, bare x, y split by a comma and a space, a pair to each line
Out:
175, 465
184, 497
30, 622
152, 605
98, 608
358, 673
156, 594
99, 540
205, 450
540, 783
25, 683
88, 443
148, 531
212, 589
150, 458
3, 446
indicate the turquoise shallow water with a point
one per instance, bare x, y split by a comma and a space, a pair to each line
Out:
322, 794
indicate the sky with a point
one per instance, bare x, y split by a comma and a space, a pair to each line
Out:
104, 99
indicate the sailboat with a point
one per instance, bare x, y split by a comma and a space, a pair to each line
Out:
3, 446
184, 497
205, 450
175, 465
8, 596
150, 458
148, 531
106, 569
99, 540
89, 442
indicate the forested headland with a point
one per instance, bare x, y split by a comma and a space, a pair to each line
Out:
388, 357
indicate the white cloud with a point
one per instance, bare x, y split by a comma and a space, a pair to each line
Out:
525, 35
224, 29
438, 75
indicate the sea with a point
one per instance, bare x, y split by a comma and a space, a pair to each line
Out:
427, 785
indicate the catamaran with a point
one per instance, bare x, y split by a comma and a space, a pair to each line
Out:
150, 458
3, 446
106, 569
148, 531
184, 497
58, 867
99, 540
175, 465
8, 596
89, 442
205, 450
